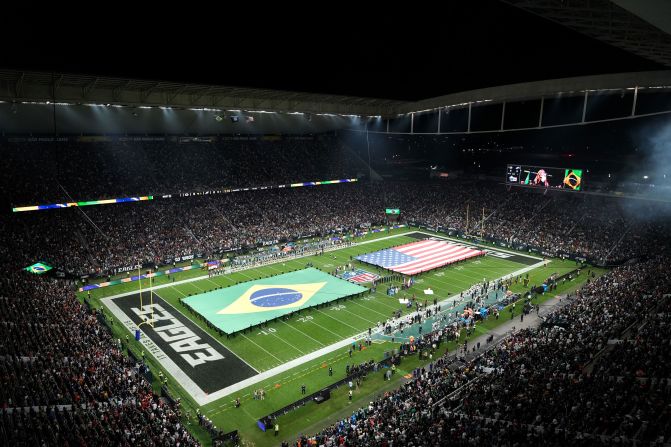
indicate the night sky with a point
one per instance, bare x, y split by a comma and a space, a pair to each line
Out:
406, 52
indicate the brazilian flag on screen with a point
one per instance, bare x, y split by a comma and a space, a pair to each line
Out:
38, 268
573, 179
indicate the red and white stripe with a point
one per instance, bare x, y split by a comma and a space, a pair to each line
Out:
364, 277
432, 254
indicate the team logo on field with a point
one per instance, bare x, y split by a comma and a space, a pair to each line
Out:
498, 254
261, 298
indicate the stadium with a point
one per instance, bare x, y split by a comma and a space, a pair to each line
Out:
476, 254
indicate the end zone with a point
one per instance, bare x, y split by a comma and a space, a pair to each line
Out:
199, 363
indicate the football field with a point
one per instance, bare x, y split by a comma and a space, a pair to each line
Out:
296, 348
315, 328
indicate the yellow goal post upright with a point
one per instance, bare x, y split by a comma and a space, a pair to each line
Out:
150, 321
474, 229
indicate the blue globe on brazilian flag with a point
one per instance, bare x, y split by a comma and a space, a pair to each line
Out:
240, 306
38, 268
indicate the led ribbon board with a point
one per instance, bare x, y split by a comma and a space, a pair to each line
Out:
324, 182
142, 276
168, 196
84, 203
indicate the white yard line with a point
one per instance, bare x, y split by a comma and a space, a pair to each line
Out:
261, 347
333, 318
198, 287
286, 342
326, 329
298, 330
369, 309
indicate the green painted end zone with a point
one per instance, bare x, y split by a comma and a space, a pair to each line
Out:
243, 305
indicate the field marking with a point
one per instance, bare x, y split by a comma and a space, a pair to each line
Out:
369, 309
213, 282
290, 344
260, 347
461, 273
122, 313
374, 299
340, 322
329, 330
176, 290
197, 287
295, 328
358, 316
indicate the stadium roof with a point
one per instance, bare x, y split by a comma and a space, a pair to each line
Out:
636, 26
20, 86
406, 54
549, 88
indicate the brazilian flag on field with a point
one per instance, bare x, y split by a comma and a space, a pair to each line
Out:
38, 268
247, 304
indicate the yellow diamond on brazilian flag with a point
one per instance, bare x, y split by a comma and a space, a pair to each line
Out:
261, 298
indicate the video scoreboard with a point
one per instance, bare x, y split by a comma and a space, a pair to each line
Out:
544, 177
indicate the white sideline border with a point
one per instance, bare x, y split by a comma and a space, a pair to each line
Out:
203, 398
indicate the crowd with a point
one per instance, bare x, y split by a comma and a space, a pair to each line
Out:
65, 381
112, 236
601, 379
54, 172
639, 352
102, 238
539, 387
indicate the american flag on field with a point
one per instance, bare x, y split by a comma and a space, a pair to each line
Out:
359, 275
422, 256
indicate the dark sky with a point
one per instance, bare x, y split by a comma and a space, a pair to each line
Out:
405, 52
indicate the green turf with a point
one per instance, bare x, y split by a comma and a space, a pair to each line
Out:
313, 329
312, 417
